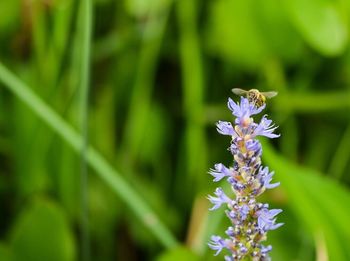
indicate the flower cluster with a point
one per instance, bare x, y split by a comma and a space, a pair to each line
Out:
248, 179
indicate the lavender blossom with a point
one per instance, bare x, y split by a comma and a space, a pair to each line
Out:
220, 199
248, 178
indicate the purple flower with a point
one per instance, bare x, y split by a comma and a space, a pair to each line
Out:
265, 128
233, 147
229, 258
266, 249
265, 178
220, 172
220, 199
243, 211
232, 181
230, 232
238, 215
266, 220
244, 109
243, 249
218, 243
225, 128
254, 145
236, 185
231, 215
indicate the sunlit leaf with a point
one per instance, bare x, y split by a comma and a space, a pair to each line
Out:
234, 34
321, 24
251, 32
281, 38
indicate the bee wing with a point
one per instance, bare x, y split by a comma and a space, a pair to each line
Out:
239, 91
269, 94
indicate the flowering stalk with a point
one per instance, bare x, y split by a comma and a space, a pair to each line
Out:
248, 179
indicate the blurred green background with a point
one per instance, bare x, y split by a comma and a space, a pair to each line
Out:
143, 83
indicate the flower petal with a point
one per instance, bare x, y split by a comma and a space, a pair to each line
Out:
225, 128
265, 128
220, 199
217, 243
220, 172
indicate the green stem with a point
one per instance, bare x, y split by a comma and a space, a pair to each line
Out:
309, 102
193, 90
276, 80
341, 156
104, 170
85, 22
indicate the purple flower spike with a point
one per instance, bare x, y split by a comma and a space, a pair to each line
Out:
250, 220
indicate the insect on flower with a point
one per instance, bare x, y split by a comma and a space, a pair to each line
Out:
255, 96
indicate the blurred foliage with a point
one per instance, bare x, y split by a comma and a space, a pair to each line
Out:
42, 233
160, 75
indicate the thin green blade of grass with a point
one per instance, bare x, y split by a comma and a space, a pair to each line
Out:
193, 92
193, 109
103, 169
85, 25
313, 102
276, 80
341, 156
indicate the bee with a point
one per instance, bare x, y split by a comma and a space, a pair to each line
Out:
255, 96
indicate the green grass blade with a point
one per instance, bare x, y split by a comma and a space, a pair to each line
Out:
193, 107
313, 102
85, 23
104, 170
341, 156
193, 89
